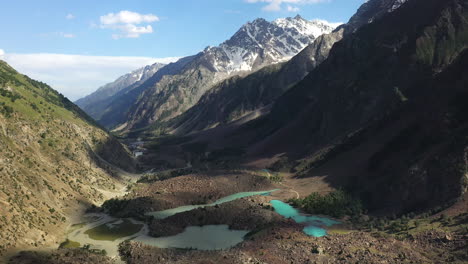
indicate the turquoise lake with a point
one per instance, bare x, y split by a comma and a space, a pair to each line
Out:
104, 232
208, 237
315, 224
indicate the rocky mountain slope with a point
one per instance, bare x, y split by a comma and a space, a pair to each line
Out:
93, 102
53, 160
381, 112
383, 116
256, 44
245, 98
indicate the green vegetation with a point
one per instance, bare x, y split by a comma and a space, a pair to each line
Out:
114, 205
336, 204
6, 110
112, 232
164, 175
272, 176
69, 244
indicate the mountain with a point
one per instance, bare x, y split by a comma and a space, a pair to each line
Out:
92, 103
244, 98
371, 10
114, 110
384, 115
261, 43
253, 46
54, 160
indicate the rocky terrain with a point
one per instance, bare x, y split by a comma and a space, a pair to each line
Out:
286, 243
54, 161
184, 190
371, 117
61, 256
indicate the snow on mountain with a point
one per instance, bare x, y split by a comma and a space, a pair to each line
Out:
259, 43
110, 89
396, 5
256, 44
141, 74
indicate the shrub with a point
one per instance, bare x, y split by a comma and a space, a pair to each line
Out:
337, 204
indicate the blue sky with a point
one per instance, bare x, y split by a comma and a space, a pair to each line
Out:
169, 28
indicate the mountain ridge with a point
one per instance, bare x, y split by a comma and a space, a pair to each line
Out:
110, 89
254, 45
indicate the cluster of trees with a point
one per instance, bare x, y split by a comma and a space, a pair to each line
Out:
164, 175
6, 110
13, 96
336, 204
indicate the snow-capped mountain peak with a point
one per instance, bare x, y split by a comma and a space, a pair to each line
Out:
260, 42
304, 27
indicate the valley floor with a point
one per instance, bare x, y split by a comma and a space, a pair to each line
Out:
273, 239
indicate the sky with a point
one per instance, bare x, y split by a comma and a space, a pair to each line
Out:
78, 46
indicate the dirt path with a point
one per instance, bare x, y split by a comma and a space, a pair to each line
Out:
291, 189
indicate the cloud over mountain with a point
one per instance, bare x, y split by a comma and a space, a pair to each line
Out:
76, 75
126, 23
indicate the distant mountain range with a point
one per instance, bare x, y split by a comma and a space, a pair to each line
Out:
92, 101
179, 86
241, 99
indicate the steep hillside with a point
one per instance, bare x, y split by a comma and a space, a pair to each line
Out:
255, 45
114, 110
385, 76
51, 162
247, 98
92, 104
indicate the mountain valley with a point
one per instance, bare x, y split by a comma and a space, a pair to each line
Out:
294, 141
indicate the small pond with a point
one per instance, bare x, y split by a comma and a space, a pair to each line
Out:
209, 237
104, 232
314, 224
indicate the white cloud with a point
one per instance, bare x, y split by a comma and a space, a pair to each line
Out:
70, 16
293, 8
77, 75
131, 31
277, 5
126, 22
2, 52
127, 17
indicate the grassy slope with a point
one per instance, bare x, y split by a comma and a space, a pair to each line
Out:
46, 164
